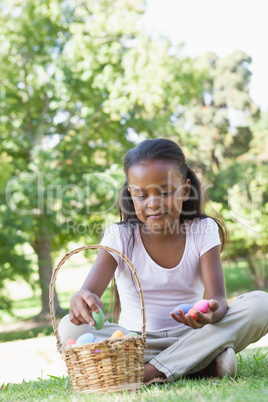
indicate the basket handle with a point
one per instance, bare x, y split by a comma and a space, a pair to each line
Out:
62, 261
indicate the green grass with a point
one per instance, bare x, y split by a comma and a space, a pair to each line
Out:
26, 308
237, 278
44, 330
251, 385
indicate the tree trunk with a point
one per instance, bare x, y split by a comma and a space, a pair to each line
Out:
42, 247
258, 270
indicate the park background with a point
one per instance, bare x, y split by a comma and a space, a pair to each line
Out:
81, 83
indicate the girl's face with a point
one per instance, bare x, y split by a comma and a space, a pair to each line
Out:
157, 191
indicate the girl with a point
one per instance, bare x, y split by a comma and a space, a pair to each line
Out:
175, 249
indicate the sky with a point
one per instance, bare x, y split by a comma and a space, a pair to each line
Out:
221, 27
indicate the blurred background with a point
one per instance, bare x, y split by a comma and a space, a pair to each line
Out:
81, 82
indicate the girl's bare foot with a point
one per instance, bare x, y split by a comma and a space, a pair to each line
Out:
150, 372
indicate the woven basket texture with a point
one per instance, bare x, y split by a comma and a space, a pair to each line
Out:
107, 366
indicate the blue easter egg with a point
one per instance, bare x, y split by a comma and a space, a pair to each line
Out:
98, 340
184, 307
85, 338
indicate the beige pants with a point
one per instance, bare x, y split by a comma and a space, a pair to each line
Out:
185, 350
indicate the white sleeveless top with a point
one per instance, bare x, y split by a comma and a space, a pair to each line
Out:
163, 288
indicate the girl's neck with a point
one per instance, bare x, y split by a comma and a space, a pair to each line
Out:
165, 248
166, 234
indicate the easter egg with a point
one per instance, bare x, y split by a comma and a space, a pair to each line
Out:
132, 334
184, 307
192, 313
70, 342
98, 340
202, 305
117, 334
85, 338
98, 318
96, 351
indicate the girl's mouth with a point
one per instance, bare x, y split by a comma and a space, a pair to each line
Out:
156, 216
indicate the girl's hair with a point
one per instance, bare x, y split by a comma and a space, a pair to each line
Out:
166, 150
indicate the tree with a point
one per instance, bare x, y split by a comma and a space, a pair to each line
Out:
223, 127
220, 119
80, 80
248, 206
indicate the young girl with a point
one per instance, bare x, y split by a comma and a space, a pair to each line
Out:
175, 249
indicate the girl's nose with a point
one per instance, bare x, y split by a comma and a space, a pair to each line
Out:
154, 202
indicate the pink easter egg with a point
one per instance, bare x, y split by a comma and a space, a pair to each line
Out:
191, 312
70, 342
96, 351
202, 305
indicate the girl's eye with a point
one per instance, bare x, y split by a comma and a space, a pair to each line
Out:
143, 196
166, 194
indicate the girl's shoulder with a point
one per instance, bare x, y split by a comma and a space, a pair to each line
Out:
201, 226
121, 228
203, 234
117, 236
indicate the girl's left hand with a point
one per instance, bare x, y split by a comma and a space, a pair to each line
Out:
202, 318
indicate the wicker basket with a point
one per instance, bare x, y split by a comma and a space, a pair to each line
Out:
109, 365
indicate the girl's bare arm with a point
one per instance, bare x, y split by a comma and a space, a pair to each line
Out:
87, 299
214, 284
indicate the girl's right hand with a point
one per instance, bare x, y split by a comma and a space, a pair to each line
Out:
82, 303
201, 318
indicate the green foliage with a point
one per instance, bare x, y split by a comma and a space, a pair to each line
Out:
246, 205
220, 120
79, 81
224, 129
14, 262
247, 221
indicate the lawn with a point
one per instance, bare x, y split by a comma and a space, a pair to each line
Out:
251, 384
